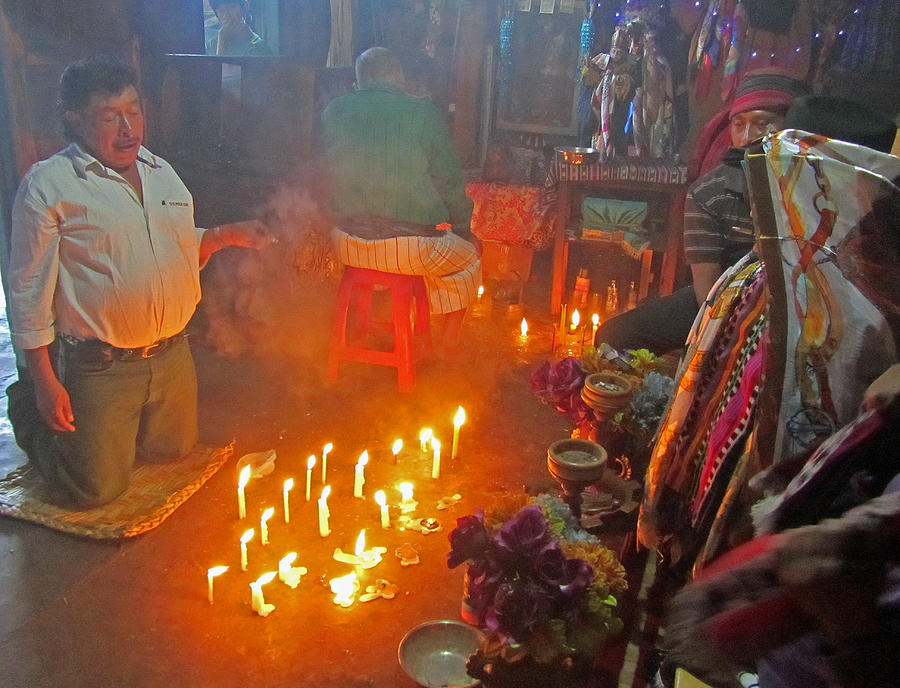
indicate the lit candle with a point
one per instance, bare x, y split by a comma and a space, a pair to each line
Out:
424, 436
595, 321
406, 492
327, 448
458, 420
324, 530
257, 601
381, 500
245, 538
362, 557
344, 589
523, 328
436, 458
360, 475
310, 462
264, 524
395, 449
210, 574
285, 497
480, 290
243, 479
576, 319
287, 573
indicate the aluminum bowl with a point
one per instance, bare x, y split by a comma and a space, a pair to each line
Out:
577, 156
434, 653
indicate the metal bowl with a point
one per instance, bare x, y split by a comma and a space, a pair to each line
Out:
576, 155
434, 653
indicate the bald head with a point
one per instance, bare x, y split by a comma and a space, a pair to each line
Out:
379, 65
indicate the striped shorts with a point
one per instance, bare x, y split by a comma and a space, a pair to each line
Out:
450, 265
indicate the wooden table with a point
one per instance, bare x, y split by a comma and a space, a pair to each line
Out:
659, 183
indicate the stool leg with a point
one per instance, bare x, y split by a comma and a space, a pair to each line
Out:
339, 330
401, 303
423, 314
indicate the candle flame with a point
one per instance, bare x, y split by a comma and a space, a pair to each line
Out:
266, 578
436, 445
576, 318
406, 491
363, 458
425, 435
524, 327
380, 498
460, 416
267, 514
244, 477
288, 484
397, 446
325, 492
216, 571
247, 536
595, 318
480, 291
327, 448
310, 462
287, 559
360, 543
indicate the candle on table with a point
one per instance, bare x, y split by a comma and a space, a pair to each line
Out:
344, 589
381, 500
210, 574
243, 479
595, 322
245, 538
327, 448
523, 329
257, 601
395, 449
576, 319
480, 291
360, 477
458, 420
310, 463
287, 573
435, 458
285, 496
324, 513
264, 524
424, 436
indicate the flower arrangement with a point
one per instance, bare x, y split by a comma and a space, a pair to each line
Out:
537, 584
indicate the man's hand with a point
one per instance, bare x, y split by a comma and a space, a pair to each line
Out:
52, 399
884, 390
248, 234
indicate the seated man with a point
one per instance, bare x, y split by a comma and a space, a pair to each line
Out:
718, 230
235, 37
395, 175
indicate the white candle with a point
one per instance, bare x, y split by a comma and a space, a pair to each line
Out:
576, 318
424, 436
480, 291
523, 328
344, 589
381, 500
360, 475
362, 557
245, 538
458, 420
395, 449
210, 574
310, 463
287, 573
257, 601
324, 530
264, 524
595, 322
406, 492
285, 495
327, 448
243, 479
436, 459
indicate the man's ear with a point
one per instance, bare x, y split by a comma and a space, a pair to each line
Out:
74, 119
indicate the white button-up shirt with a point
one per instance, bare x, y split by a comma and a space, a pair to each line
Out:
89, 260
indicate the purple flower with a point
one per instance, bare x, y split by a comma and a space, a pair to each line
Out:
517, 608
555, 384
525, 533
579, 575
468, 540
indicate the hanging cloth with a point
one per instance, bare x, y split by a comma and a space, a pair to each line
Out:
340, 53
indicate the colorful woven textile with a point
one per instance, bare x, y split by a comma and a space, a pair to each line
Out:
511, 214
156, 490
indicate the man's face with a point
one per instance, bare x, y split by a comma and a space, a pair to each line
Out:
230, 14
111, 127
754, 124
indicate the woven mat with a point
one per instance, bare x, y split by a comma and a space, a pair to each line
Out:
156, 490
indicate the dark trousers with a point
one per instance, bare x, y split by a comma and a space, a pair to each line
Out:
660, 325
144, 408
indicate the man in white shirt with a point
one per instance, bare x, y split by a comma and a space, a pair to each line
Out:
103, 278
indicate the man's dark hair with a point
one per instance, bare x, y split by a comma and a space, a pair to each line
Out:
98, 74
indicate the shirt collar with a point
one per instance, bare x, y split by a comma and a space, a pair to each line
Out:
82, 159
381, 86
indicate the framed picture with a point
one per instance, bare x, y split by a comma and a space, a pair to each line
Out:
537, 90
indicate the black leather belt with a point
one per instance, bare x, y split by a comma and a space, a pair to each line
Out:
102, 350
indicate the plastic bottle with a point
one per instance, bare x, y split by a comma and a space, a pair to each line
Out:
632, 297
582, 287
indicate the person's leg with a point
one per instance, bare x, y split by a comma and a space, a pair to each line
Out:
168, 427
660, 325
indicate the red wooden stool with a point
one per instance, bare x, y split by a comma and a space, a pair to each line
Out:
404, 289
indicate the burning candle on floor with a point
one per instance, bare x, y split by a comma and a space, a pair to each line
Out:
362, 557
395, 449
458, 421
480, 291
435, 458
595, 322
325, 450
360, 477
243, 479
310, 463
245, 538
257, 601
324, 513
264, 524
286, 498
424, 437
407, 503
523, 330
210, 574
381, 501
287, 573
344, 589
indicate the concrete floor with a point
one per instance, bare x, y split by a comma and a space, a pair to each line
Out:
76, 612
